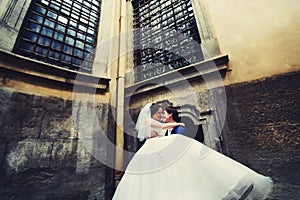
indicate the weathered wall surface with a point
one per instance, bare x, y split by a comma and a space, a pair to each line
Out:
263, 130
261, 36
8, 37
41, 154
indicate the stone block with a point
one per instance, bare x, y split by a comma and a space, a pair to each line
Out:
28, 154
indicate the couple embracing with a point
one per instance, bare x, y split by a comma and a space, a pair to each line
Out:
178, 167
155, 121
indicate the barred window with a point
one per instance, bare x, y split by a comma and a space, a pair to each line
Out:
166, 37
62, 33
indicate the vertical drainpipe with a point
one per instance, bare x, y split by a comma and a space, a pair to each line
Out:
120, 91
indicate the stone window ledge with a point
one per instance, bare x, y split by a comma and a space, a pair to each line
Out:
24, 65
188, 73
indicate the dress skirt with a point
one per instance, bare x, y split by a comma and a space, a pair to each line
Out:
179, 168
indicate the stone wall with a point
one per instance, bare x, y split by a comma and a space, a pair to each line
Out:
41, 154
263, 130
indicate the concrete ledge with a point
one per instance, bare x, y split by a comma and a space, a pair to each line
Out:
16, 63
176, 76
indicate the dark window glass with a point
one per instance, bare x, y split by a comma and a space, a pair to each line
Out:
41, 51
37, 18
27, 46
68, 49
34, 27
71, 32
60, 32
47, 32
66, 58
58, 36
44, 41
77, 61
78, 53
57, 45
52, 15
70, 40
31, 37
40, 10
49, 23
60, 28
54, 55
166, 37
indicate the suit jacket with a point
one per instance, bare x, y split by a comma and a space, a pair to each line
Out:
177, 130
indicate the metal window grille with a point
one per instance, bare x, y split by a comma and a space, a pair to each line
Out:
166, 37
60, 32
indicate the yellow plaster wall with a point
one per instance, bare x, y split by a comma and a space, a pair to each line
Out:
107, 52
33, 86
20, 84
262, 37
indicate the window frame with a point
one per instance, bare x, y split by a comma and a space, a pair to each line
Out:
78, 46
214, 61
159, 46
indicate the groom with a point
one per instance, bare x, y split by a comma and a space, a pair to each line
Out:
170, 116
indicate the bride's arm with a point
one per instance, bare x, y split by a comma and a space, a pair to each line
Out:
157, 124
172, 125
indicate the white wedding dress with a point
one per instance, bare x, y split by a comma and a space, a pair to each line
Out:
179, 168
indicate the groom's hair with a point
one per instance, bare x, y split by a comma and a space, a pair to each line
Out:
173, 110
154, 108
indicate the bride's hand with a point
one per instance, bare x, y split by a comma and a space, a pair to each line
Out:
154, 134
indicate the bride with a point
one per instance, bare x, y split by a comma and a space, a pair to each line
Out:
180, 168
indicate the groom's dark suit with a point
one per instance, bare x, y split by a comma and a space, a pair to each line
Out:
177, 130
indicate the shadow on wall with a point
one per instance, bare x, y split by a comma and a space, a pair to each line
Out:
193, 130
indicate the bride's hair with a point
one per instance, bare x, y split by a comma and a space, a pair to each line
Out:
154, 108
